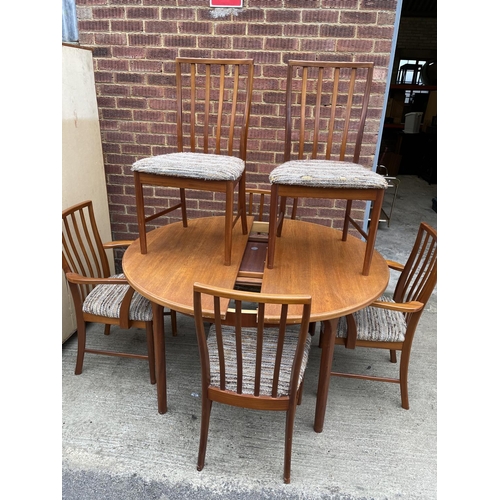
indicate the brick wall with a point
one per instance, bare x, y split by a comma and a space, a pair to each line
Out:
135, 42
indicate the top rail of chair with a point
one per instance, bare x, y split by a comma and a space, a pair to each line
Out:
212, 61
320, 64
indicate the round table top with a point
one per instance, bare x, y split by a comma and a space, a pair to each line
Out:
310, 259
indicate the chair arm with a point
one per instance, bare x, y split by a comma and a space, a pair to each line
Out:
118, 243
83, 280
404, 307
395, 265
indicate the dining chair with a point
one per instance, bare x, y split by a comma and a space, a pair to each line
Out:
247, 363
391, 323
213, 111
98, 296
326, 108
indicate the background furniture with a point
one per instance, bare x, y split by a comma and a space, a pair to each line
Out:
326, 107
83, 174
248, 364
313, 261
391, 324
99, 297
213, 110
390, 196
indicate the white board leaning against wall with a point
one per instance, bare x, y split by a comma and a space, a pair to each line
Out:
83, 176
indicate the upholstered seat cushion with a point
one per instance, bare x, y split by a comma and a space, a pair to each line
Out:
105, 300
326, 174
208, 167
249, 342
376, 324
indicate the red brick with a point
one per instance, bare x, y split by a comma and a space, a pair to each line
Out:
195, 28
108, 13
143, 13
173, 13
111, 39
355, 45
144, 40
379, 4
129, 52
248, 43
93, 25
160, 27
282, 16
126, 26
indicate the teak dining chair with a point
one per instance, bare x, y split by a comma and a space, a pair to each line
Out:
391, 324
97, 296
249, 364
213, 110
326, 108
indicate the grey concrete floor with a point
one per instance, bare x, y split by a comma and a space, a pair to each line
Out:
116, 446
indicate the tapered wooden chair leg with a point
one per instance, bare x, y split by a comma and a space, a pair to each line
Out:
393, 356
183, 207
403, 378
206, 408
107, 329
173, 320
299, 393
151, 352
290, 418
81, 337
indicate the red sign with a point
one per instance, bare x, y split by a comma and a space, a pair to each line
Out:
226, 3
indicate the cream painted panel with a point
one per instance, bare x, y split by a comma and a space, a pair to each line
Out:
83, 176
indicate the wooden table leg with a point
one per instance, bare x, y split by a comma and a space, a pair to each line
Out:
159, 343
327, 347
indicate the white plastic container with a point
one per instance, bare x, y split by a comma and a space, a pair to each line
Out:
412, 122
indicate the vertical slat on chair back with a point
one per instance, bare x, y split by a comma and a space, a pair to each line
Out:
82, 249
419, 277
313, 87
240, 318
214, 99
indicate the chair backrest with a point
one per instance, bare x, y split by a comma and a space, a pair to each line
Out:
326, 107
244, 315
82, 249
419, 276
213, 105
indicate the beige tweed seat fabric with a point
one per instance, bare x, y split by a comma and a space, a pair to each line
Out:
376, 324
326, 174
249, 344
201, 166
105, 300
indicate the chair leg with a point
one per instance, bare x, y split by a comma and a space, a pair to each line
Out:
182, 195
151, 351
242, 205
403, 378
299, 393
206, 408
312, 329
282, 212
141, 216
394, 359
81, 338
173, 321
273, 216
228, 226
345, 230
107, 329
372, 231
290, 417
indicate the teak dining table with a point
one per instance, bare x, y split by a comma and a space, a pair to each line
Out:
309, 259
